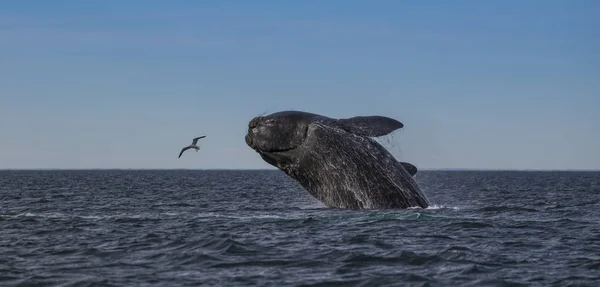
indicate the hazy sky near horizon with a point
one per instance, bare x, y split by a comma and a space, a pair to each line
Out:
126, 84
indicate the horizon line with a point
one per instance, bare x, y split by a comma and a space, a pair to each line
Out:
275, 169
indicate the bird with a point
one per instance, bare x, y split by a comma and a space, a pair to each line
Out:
193, 145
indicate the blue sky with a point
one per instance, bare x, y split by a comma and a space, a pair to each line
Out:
126, 84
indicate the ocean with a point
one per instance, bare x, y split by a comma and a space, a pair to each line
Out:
260, 228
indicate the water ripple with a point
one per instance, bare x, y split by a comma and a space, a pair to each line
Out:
248, 228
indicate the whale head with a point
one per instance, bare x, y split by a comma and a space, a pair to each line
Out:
275, 137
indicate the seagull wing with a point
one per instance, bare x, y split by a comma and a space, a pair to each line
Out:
183, 149
196, 139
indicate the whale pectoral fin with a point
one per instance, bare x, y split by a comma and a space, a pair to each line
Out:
370, 126
412, 170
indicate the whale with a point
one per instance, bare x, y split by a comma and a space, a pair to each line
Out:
337, 161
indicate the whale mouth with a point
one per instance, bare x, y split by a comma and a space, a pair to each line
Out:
274, 151
252, 144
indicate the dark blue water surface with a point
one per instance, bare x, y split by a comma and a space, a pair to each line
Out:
259, 228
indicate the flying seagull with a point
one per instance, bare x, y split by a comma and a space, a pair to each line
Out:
193, 145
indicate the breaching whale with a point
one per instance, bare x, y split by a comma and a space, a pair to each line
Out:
337, 160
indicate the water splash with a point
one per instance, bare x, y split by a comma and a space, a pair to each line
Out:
392, 144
